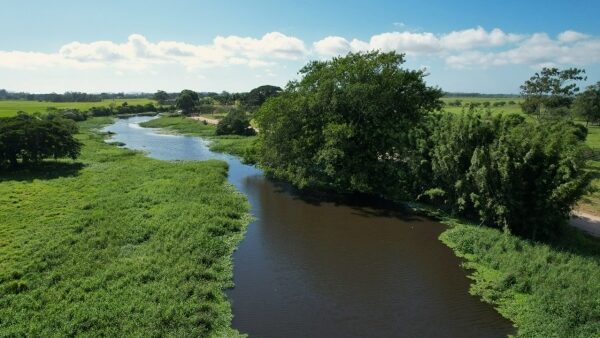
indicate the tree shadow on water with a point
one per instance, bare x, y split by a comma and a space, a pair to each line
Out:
46, 170
365, 205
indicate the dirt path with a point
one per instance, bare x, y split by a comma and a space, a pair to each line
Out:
586, 222
204, 119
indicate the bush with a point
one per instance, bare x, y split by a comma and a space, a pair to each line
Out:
31, 139
235, 123
504, 171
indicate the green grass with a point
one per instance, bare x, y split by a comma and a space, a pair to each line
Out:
514, 108
546, 290
11, 107
590, 203
242, 146
117, 244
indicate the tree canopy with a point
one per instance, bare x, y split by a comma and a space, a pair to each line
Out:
587, 104
187, 101
161, 97
551, 91
30, 139
345, 122
259, 95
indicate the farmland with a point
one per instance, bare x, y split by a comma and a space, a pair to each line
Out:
11, 107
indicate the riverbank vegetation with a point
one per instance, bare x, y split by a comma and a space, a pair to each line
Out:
242, 146
117, 244
363, 124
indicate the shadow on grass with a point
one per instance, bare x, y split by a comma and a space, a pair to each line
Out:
46, 170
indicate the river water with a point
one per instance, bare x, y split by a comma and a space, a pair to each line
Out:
308, 267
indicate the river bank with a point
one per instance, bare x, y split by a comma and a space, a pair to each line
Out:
117, 244
544, 288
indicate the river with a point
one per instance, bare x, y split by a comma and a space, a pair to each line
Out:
309, 267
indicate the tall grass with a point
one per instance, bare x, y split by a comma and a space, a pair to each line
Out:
546, 289
117, 244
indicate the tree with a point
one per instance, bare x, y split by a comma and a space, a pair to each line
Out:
186, 101
551, 91
259, 95
587, 104
32, 139
345, 124
161, 97
236, 122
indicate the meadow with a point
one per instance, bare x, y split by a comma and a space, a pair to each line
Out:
11, 107
466, 100
117, 244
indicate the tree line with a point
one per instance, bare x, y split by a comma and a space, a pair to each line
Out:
363, 124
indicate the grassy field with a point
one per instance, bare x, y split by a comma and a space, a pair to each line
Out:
508, 108
546, 289
117, 244
237, 145
11, 107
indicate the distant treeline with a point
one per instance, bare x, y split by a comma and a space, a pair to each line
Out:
68, 96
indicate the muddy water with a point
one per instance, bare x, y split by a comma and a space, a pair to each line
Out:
314, 268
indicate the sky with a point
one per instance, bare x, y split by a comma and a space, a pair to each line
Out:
143, 46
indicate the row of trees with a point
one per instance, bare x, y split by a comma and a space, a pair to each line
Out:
361, 123
30, 139
67, 96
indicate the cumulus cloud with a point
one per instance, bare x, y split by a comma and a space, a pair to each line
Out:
139, 53
476, 47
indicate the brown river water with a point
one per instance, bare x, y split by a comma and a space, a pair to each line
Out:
310, 267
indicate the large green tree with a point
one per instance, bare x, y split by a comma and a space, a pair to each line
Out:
587, 104
259, 95
187, 101
31, 139
161, 97
551, 91
345, 124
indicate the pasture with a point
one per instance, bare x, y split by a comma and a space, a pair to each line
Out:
11, 107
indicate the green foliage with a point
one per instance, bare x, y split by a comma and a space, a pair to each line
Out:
161, 97
187, 101
503, 171
259, 95
235, 122
551, 91
121, 245
343, 125
587, 104
31, 139
547, 290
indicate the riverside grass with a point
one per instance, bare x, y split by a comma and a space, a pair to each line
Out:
117, 244
241, 146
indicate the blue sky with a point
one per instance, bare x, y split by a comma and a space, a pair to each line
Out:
475, 46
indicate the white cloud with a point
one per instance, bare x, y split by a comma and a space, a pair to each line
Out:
476, 47
538, 50
571, 36
138, 53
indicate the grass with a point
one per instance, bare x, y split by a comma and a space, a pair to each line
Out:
242, 146
546, 290
117, 244
11, 107
512, 108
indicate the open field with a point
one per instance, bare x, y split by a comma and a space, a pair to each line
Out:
508, 108
117, 244
11, 107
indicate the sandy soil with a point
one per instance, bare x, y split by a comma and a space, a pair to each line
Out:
586, 222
